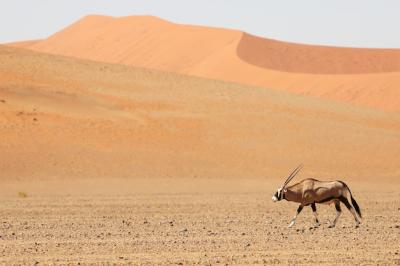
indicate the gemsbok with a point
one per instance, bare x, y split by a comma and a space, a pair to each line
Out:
310, 191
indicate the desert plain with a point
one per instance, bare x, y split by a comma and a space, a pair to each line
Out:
155, 147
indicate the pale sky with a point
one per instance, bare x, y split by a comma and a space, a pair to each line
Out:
356, 23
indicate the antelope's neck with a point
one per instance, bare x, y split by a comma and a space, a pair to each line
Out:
289, 195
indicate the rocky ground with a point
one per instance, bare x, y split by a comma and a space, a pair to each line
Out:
193, 228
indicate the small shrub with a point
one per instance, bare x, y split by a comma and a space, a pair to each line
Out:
22, 195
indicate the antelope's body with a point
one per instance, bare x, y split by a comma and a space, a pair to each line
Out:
310, 192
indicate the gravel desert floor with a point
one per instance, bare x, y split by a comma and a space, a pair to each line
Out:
225, 226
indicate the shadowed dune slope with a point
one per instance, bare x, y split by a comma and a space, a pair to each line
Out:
70, 118
312, 59
365, 77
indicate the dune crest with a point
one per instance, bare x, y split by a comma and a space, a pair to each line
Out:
365, 77
23, 44
143, 41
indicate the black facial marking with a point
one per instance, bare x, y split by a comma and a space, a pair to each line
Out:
278, 195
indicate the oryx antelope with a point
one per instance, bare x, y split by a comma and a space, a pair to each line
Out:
310, 191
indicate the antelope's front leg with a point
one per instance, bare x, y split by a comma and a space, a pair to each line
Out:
294, 218
314, 209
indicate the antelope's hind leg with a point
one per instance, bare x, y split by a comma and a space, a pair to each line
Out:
314, 209
351, 209
338, 212
295, 217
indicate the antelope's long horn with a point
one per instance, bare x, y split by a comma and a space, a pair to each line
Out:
293, 174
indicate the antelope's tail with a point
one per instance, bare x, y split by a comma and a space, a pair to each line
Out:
354, 202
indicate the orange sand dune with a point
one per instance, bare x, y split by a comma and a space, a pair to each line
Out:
366, 77
23, 44
143, 41
70, 118
298, 58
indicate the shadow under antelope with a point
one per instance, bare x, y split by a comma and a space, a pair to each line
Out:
310, 191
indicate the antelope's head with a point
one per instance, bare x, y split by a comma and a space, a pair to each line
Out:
279, 193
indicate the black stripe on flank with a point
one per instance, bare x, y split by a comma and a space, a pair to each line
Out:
326, 200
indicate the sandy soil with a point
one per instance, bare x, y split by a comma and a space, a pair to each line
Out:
233, 223
366, 77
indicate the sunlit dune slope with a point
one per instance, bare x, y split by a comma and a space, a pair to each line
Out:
143, 41
365, 77
23, 44
70, 118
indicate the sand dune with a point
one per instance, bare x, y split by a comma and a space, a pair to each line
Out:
313, 59
67, 118
143, 41
365, 77
23, 44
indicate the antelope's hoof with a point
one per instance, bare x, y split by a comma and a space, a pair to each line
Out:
291, 224
331, 226
317, 225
